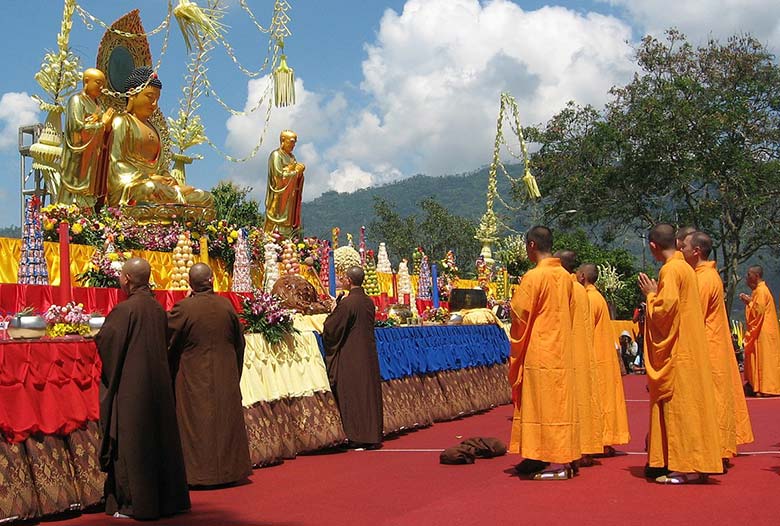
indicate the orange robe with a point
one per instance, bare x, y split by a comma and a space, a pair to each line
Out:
762, 342
586, 383
683, 424
610, 382
732, 413
541, 366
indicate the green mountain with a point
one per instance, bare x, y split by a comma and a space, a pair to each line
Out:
463, 195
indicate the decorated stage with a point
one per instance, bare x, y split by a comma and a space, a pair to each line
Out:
49, 412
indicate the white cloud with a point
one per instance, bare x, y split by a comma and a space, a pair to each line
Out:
432, 79
702, 19
16, 109
436, 70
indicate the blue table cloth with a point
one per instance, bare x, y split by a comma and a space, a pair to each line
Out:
406, 351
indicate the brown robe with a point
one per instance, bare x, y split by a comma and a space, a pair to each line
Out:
353, 367
140, 449
206, 351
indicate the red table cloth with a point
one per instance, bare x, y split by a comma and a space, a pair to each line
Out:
15, 297
47, 386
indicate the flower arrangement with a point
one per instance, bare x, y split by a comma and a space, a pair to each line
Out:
309, 252
67, 319
609, 281
262, 313
103, 269
440, 315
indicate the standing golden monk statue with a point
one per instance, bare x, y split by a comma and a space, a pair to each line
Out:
137, 172
285, 188
87, 123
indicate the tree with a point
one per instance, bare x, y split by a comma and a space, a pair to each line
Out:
437, 231
232, 204
693, 139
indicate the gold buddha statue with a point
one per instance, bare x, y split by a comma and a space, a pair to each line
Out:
285, 188
137, 174
87, 124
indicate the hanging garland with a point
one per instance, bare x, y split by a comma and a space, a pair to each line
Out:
488, 226
84, 14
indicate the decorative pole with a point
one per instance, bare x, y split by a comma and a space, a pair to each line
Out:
331, 274
435, 285
66, 294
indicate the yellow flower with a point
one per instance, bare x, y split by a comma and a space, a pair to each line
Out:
211, 229
77, 228
101, 226
301, 245
113, 256
121, 238
234, 234
127, 255
48, 225
195, 235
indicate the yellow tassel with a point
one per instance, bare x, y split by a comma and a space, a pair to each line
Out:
531, 186
284, 84
192, 19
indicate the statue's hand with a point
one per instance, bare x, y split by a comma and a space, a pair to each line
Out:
108, 116
299, 168
164, 179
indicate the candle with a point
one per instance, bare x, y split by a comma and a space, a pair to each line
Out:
408, 299
335, 236
435, 285
506, 284
204, 250
331, 274
395, 287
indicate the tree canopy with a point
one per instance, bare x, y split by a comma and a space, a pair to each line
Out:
693, 139
437, 230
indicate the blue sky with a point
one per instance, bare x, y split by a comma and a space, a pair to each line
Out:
387, 89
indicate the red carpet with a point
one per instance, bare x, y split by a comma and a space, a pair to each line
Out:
410, 487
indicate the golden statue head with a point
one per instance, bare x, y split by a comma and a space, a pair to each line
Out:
144, 103
287, 140
94, 82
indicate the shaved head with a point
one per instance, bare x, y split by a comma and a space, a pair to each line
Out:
664, 236
568, 259
589, 273
703, 242
93, 73
542, 238
200, 277
355, 275
683, 232
757, 270
137, 272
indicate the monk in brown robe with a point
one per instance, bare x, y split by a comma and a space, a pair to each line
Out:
140, 449
353, 364
762, 337
683, 438
545, 424
586, 379
206, 352
732, 412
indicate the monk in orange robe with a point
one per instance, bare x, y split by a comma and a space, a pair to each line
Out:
545, 428
586, 382
732, 413
683, 440
610, 382
762, 338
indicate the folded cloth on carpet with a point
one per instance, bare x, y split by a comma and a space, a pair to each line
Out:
472, 448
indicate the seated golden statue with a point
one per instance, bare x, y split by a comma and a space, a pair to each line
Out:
285, 188
137, 174
87, 124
